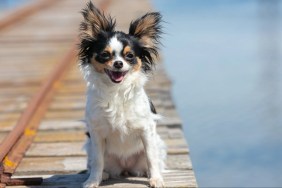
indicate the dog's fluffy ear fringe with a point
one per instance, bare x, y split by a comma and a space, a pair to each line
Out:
95, 22
147, 29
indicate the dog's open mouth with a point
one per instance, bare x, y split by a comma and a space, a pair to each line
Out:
116, 76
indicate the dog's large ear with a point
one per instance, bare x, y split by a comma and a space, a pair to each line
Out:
94, 26
95, 22
147, 29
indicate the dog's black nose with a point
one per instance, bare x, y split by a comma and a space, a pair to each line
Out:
118, 64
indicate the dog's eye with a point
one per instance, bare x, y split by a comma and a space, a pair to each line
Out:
129, 56
105, 55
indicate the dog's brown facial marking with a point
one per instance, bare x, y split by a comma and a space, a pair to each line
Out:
108, 49
100, 67
103, 60
138, 65
126, 50
131, 59
128, 54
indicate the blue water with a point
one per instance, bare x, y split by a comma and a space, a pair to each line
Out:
224, 58
9, 4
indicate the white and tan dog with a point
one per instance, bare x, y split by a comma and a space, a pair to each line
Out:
121, 119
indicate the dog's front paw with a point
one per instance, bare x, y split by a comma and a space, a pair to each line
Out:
156, 182
91, 184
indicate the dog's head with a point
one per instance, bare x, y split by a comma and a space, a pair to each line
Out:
116, 55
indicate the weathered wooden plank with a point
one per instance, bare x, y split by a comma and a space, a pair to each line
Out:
9, 116
16, 90
12, 104
61, 124
60, 136
72, 147
64, 105
170, 121
21, 51
63, 131
172, 178
3, 135
75, 164
181, 161
56, 149
65, 114
7, 125
54, 121
175, 132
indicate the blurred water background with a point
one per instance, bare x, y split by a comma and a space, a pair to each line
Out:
224, 58
9, 4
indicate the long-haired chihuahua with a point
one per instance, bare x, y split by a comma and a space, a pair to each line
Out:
120, 118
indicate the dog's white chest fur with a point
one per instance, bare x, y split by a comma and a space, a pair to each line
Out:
119, 114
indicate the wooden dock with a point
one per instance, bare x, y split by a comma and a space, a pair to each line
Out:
40, 47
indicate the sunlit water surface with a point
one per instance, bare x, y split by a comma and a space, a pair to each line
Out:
224, 58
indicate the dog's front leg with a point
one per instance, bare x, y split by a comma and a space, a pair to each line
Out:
149, 141
97, 148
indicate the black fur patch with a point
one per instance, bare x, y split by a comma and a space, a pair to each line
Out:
87, 134
153, 109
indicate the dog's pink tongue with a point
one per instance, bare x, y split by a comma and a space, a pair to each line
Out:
117, 76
